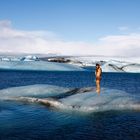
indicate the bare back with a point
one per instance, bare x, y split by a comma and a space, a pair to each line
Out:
98, 73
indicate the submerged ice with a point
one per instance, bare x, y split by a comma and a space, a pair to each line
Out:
78, 99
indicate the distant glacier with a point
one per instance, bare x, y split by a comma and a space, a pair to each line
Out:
108, 64
33, 63
72, 63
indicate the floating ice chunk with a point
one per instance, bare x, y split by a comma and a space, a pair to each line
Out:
84, 99
29, 58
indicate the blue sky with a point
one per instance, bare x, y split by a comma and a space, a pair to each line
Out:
85, 21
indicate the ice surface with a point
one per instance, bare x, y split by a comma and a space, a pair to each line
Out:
32, 62
19, 58
82, 99
37, 65
109, 64
118, 66
38, 90
109, 99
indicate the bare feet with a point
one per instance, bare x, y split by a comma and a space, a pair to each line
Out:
98, 91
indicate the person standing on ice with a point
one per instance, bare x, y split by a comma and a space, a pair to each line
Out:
98, 73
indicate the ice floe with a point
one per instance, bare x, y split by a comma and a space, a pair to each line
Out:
73, 99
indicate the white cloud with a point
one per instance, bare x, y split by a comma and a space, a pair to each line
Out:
126, 45
19, 41
5, 23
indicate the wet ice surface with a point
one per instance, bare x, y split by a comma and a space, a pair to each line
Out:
78, 99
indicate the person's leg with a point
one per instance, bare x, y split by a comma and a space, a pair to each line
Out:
98, 86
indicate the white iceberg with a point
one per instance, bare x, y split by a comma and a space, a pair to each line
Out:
29, 58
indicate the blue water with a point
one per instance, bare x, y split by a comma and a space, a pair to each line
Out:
29, 121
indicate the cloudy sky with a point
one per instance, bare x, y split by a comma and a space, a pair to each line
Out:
70, 27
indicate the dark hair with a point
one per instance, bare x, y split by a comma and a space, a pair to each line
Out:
97, 64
